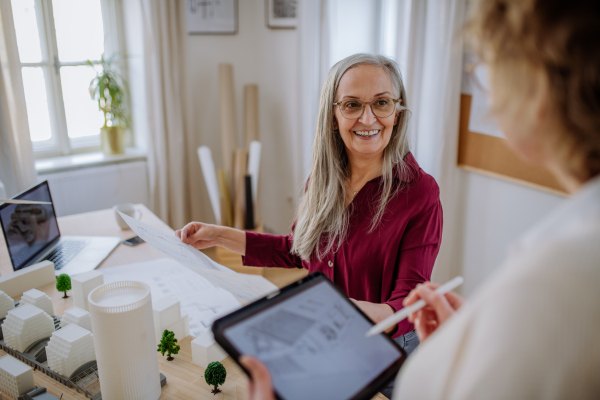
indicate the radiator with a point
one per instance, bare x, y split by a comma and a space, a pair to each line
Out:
97, 188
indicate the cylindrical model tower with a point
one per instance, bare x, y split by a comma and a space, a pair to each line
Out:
124, 340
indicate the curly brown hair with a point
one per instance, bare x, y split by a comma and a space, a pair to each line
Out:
561, 39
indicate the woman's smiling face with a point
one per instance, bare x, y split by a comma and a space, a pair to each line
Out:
369, 134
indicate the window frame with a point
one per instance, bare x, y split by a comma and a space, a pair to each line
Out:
60, 144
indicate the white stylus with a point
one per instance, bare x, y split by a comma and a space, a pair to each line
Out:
406, 311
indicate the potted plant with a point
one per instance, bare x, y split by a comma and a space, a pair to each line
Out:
109, 89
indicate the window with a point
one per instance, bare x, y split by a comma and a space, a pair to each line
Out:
55, 38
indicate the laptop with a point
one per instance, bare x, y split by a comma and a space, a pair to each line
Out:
32, 235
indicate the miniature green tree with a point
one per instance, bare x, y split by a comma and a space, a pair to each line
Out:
215, 375
168, 344
63, 283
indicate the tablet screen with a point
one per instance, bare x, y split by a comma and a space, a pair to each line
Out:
314, 345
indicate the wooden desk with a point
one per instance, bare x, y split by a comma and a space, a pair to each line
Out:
184, 379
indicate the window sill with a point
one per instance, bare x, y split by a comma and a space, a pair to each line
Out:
86, 160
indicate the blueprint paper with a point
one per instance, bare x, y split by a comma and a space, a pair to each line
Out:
246, 287
172, 246
167, 278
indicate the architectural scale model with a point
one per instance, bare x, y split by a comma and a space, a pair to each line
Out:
77, 316
69, 348
26, 325
168, 316
16, 378
121, 316
34, 276
6, 304
38, 299
82, 285
205, 350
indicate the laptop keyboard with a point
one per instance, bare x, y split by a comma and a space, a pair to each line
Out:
65, 252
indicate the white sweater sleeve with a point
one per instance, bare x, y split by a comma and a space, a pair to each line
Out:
531, 333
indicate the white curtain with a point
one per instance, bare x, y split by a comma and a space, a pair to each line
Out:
171, 162
17, 169
314, 57
430, 54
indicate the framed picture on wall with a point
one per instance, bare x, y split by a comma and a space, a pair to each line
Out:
282, 13
212, 17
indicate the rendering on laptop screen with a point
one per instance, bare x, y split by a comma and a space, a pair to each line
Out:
29, 228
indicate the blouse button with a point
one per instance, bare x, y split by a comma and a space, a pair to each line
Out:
330, 263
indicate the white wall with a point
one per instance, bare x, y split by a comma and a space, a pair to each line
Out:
494, 213
268, 57
96, 188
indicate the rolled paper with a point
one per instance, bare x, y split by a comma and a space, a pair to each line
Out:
210, 177
227, 210
249, 220
253, 169
229, 127
240, 165
250, 114
224, 210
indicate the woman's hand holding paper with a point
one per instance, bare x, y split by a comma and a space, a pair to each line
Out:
203, 236
199, 235
438, 310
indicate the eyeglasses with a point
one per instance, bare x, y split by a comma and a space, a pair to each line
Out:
480, 75
354, 109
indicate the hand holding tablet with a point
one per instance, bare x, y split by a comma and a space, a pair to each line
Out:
312, 339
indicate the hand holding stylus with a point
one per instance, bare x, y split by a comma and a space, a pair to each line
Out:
439, 308
415, 306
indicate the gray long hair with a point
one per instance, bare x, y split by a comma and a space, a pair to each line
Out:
323, 215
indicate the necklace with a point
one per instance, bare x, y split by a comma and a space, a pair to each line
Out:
354, 194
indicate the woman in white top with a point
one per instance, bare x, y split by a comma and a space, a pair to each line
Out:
533, 330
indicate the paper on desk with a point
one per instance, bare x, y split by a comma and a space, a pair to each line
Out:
167, 278
246, 287
172, 246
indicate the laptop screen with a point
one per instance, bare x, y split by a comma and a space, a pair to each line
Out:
29, 228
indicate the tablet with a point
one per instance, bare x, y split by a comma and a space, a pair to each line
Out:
312, 338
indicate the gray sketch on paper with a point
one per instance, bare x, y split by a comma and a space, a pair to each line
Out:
211, 16
285, 8
282, 13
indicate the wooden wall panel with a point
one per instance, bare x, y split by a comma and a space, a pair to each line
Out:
491, 155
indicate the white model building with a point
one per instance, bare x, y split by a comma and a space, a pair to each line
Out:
82, 285
168, 315
6, 304
38, 299
26, 325
16, 378
69, 348
77, 316
205, 350
124, 339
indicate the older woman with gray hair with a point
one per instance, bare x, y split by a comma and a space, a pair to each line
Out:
370, 218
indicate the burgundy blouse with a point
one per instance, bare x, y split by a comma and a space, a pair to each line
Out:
382, 266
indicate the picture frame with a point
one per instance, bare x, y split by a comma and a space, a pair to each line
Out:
211, 17
282, 14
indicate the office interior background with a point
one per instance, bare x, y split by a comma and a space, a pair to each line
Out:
174, 101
